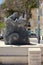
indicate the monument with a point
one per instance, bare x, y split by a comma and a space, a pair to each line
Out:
15, 32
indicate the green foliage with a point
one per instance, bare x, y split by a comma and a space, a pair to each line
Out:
2, 25
9, 12
3, 5
30, 4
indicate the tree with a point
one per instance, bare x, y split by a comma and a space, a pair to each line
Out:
21, 6
29, 4
3, 5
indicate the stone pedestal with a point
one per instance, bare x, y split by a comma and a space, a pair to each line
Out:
34, 56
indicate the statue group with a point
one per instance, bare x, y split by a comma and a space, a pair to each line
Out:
15, 32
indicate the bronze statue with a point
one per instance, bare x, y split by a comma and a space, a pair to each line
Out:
15, 32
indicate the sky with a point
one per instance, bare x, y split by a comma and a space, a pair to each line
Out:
0, 1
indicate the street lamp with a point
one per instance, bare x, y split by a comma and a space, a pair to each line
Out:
38, 14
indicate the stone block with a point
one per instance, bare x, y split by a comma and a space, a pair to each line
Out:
13, 59
34, 56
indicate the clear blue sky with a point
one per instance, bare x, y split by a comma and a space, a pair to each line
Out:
0, 1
